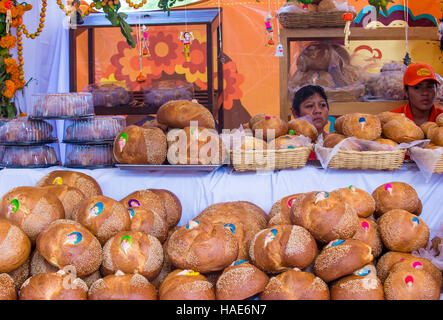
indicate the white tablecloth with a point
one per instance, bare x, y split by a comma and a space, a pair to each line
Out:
197, 190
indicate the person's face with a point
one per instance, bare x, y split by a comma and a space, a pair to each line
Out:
316, 107
422, 95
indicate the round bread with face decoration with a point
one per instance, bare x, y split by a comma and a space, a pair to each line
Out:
342, 257
295, 284
239, 281
7, 287
281, 210
103, 217
363, 284
54, 286
368, 233
362, 126
133, 252
32, 209
186, 285
403, 231
418, 263
361, 200
411, 284
85, 183
282, 247
15, 246
326, 215
122, 286
145, 199
147, 221
387, 260
172, 205
396, 195
68, 243
203, 246
70, 197
270, 128
303, 127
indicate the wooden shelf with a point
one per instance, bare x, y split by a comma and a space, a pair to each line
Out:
337, 108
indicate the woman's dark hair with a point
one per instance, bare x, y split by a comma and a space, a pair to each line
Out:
305, 92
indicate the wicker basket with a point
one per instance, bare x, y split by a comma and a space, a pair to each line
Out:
312, 19
252, 160
439, 166
378, 160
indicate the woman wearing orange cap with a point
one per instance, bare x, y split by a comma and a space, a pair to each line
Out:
420, 88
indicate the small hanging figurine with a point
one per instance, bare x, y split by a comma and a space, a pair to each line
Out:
145, 43
407, 59
440, 33
279, 50
268, 25
8, 5
347, 17
187, 37
75, 17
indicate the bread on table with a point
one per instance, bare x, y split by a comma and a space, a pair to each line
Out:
22, 273
269, 128
387, 116
180, 113
149, 222
173, 206
256, 118
15, 246
303, 127
436, 135
387, 142
145, 199
427, 126
70, 197
439, 120
362, 126
288, 141
338, 124
368, 233
280, 212
361, 200
7, 287
186, 285
402, 131
387, 260
332, 139
418, 263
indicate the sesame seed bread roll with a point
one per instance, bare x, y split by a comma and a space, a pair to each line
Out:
411, 284
436, 135
342, 257
186, 285
167, 266
419, 263
402, 131
133, 252
403, 231
280, 212
361, 200
368, 233
122, 286
54, 286
180, 113
140, 145
20, 274
15, 246
86, 184
145, 199
40, 265
251, 143
362, 126
332, 139
387, 116
396, 195
7, 287
295, 284
68, 243
70, 197
387, 260
240, 281
148, 222
282, 247
203, 246
326, 215
172, 205
428, 125
103, 217
363, 284
91, 278
304, 128
270, 128
32, 209
338, 124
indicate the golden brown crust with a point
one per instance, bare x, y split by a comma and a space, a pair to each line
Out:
179, 114
368, 233
172, 205
388, 142
436, 135
240, 281
282, 247
256, 118
281, 210
396, 195
66, 242
15, 246
145, 199
387, 260
332, 139
295, 285
403, 231
86, 184
362, 126
288, 142
7, 287
186, 285
203, 246
70, 197
338, 124
427, 126
362, 201
252, 143
147, 221
122, 287
263, 128
439, 120
418, 263
387, 116
303, 127
402, 131
20, 274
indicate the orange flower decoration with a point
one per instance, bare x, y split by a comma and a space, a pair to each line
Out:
10, 89
7, 41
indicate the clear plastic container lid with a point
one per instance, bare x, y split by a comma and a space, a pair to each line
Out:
61, 105
160, 92
97, 129
30, 156
24, 131
108, 94
89, 156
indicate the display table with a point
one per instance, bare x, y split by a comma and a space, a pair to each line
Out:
198, 189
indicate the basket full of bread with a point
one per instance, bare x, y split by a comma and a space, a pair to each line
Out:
314, 13
366, 141
268, 143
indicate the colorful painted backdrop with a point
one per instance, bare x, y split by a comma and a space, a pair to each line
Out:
251, 70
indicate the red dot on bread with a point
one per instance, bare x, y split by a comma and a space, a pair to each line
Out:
409, 280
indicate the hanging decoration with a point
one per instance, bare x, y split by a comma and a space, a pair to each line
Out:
140, 37
347, 17
75, 14
145, 42
440, 27
407, 59
279, 48
186, 37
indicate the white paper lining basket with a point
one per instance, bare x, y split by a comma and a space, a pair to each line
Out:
251, 160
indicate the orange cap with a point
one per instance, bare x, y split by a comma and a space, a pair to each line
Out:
418, 72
